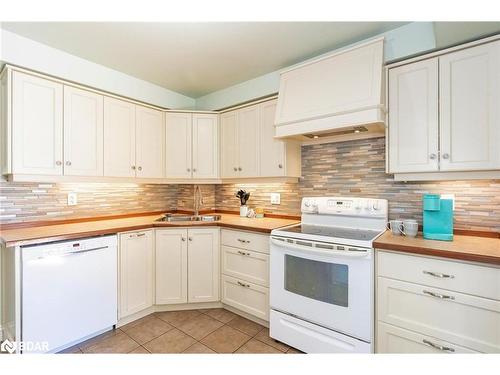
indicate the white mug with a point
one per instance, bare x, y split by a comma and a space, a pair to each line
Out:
409, 228
395, 226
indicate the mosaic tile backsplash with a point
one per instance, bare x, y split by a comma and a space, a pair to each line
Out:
354, 168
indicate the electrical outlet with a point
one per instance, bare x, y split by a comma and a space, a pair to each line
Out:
275, 198
72, 199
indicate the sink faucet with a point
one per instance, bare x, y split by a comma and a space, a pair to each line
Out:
198, 200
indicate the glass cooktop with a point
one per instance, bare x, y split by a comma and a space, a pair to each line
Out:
337, 232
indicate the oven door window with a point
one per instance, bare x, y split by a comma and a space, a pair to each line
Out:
322, 281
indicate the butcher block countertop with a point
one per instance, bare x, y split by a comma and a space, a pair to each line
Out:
49, 233
468, 248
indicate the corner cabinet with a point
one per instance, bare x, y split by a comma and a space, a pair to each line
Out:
248, 146
187, 265
444, 115
192, 145
136, 272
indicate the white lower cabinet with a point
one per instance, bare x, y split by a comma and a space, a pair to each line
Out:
136, 272
245, 272
445, 313
187, 265
245, 296
391, 339
171, 266
203, 265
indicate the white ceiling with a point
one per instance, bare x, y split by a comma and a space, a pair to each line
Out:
197, 58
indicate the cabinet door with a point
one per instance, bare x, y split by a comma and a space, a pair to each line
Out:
470, 108
37, 123
248, 297
203, 265
119, 138
248, 141
413, 117
272, 151
178, 145
83, 132
205, 146
171, 266
229, 144
136, 272
149, 143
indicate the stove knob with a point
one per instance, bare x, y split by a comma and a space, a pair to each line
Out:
306, 203
376, 205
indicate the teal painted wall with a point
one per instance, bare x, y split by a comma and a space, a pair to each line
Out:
407, 40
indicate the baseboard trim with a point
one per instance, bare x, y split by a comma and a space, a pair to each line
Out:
246, 315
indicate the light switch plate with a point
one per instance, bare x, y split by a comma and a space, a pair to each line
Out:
275, 198
72, 199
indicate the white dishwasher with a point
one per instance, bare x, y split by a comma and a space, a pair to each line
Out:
69, 292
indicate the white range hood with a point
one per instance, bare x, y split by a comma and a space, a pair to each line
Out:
341, 93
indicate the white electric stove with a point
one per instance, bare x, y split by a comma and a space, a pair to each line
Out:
321, 275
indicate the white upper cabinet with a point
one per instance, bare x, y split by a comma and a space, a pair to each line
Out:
83, 132
119, 138
341, 89
229, 144
277, 157
37, 125
178, 153
205, 146
149, 143
203, 265
413, 117
248, 141
444, 115
470, 108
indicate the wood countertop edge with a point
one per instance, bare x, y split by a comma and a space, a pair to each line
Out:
450, 254
127, 228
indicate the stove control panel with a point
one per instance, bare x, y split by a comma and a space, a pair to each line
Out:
348, 206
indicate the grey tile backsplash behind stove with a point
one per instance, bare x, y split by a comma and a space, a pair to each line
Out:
353, 168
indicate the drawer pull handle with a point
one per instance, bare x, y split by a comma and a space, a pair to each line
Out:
439, 347
439, 275
243, 241
243, 253
437, 295
243, 284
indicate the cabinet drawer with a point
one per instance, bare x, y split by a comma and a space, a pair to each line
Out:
391, 339
246, 240
245, 296
246, 264
458, 318
460, 277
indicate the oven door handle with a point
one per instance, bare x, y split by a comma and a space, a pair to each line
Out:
314, 250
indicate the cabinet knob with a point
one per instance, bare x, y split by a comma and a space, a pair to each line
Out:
183, 239
133, 167
139, 168
280, 166
432, 156
189, 169
58, 162
235, 169
240, 169
68, 163
190, 238
194, 169
446, 156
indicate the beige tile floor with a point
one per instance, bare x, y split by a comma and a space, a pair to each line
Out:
191, 331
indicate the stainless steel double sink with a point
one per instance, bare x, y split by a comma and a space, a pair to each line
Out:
184, 217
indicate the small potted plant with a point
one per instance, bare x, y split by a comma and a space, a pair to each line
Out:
243, 197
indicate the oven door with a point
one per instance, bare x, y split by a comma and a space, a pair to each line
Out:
331, 288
